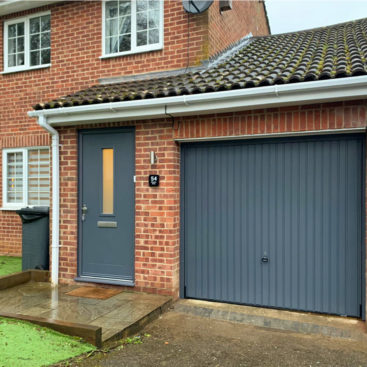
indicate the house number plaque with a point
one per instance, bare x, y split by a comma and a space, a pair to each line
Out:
153, 180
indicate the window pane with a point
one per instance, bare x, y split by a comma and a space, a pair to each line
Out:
111, 27
35, 42
153, 36
141, 21
111, 9
108, 45
20, 29
45, 40
16, 158
20, 44
125, 25
154, 19
11, 158
15, 171
112, 44
107, 181
35, 58
125, 43
12, 46
141, 5
20, 59
45, 23
154, 4
142, 38
14, 184
45, 56
35, 25
124, 8
12, 30
38, 177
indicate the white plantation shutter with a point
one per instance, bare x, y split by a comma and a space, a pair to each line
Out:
38, 177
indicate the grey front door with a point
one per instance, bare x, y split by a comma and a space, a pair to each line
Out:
106, 206
276, 223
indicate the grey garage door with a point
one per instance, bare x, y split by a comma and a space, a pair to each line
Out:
276, 223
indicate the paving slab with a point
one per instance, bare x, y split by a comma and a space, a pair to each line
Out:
117, 315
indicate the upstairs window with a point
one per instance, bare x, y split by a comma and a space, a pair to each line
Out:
26, 177
27, 42
132, 26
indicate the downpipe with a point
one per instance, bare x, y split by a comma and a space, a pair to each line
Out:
55, 246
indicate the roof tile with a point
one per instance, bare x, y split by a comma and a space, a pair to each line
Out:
323, 53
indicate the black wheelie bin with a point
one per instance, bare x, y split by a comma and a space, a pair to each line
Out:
35, 242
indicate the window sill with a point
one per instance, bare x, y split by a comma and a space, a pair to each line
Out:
11, 209
18, 70
14, 208
134, 52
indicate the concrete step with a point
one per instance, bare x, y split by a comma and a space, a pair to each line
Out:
301, 322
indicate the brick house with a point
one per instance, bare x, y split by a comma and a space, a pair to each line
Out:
229, 170
77, 63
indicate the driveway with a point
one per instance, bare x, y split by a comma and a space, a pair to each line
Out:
178, 339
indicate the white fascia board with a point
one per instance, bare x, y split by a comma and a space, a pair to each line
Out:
208, 103
14, 6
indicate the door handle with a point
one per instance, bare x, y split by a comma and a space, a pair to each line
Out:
265, 259
84, 212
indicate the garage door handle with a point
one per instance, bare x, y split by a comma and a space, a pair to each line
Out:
265, 259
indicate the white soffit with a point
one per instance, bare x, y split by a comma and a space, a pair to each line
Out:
14, 6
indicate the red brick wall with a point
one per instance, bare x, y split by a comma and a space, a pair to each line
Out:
11, 239
230, 26
277, 120
76, 39
157, 209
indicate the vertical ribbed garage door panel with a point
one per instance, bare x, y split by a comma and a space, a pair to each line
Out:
296, 201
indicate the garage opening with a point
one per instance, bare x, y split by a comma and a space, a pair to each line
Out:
275, 222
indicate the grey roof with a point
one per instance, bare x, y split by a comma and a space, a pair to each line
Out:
336, 51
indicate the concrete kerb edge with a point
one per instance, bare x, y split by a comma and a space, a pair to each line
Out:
265, 322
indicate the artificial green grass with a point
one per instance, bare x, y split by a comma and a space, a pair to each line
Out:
10, 265
26, 345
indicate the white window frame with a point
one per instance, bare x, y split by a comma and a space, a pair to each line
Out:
134, 49
24, 151
26, 66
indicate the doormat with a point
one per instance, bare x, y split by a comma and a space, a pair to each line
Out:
95, 293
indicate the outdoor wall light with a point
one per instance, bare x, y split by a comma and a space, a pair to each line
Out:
153, 158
